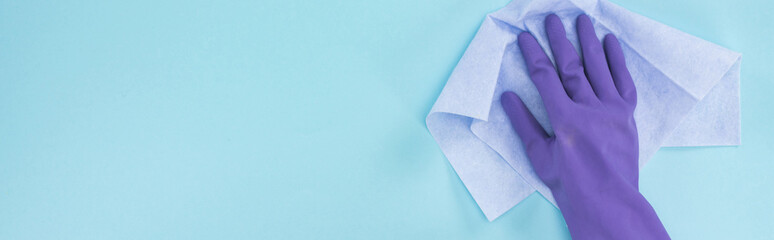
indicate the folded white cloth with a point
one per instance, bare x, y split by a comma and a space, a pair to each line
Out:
688, 94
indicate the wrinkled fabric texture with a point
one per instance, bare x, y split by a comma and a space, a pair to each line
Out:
688, 94
590, 162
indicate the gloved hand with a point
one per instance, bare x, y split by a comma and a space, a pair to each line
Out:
591, 161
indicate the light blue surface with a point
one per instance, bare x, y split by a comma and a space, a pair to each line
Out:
239, 120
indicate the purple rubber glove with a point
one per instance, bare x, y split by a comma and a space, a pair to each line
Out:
591, 162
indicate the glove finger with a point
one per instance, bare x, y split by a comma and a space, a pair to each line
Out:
567, 62
543, 74
621, 77
532, 135
594, 60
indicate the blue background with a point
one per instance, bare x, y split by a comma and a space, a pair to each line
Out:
301, 119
